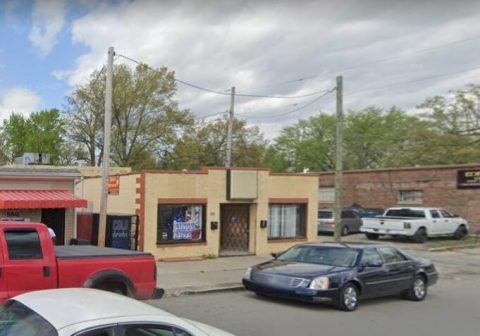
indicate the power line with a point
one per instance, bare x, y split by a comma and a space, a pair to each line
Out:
381, 60
414, 80
225, 93
211, 115
297, 109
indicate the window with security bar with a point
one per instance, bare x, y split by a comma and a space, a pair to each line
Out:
410, 196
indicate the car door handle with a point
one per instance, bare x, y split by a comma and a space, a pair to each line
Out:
46, 271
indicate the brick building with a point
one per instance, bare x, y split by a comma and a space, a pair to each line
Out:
455, 188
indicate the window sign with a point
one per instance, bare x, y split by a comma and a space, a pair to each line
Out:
180, 223
468, 179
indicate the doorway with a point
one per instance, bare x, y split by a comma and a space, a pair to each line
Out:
55, 219
234, 229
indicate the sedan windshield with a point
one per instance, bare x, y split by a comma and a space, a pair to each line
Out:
332, 256
17, 319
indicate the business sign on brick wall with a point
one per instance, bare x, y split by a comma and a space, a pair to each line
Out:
468, 178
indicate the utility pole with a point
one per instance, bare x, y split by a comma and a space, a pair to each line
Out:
102, 225
337, 210
228, 162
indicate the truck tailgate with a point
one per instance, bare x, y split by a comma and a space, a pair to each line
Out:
384, 223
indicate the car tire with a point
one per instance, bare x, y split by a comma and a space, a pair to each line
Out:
348, 298
420, 236
372, 236
418, 290
345, 231
460, 233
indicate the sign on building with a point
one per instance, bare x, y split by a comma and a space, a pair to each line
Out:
468, 178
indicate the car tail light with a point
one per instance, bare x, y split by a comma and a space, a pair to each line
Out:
329, 223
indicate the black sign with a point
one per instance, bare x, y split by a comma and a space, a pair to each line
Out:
468, 178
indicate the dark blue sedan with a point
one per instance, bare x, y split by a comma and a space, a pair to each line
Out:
342, 274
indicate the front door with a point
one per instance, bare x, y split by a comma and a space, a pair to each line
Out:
234, 229
55, 219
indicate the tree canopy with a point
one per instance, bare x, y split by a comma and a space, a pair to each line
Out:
41, 132
146, 121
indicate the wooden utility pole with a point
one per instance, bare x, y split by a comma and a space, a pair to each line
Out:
228, 162
337, 210
102, 224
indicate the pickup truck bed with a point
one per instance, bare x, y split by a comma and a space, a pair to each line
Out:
29, 261
89, 251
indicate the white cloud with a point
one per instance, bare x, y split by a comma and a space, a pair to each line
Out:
18, 100
261, 47
48, 21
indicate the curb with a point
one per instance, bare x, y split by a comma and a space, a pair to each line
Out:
184, 291
452, 248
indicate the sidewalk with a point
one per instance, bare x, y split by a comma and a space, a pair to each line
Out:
189, 277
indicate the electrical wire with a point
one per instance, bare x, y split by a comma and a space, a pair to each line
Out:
412, 81
223, 93
381, 60
294, 110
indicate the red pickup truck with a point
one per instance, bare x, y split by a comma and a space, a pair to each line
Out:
29, 261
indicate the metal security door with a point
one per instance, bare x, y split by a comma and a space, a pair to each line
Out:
234, 229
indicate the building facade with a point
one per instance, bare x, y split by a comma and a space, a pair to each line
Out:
214, 211
455, 188
41, 194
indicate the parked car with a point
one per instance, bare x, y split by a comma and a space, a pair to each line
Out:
351, 221
417, 223
29, 261
341, 274
90, 312
372, 212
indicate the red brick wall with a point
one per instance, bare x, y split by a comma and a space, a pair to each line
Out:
379, 189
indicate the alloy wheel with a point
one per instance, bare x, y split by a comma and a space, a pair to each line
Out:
350, 298
419, 288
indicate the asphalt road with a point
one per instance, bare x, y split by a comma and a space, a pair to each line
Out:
452, 308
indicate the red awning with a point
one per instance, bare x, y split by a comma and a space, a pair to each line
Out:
37, 199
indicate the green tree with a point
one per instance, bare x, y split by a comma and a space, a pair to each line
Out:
455, 125
205, 145
146, 121
41, 132
308, 144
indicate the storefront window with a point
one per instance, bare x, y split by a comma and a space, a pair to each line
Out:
286, 221
180, 223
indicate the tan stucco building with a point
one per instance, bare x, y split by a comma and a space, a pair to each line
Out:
214, 211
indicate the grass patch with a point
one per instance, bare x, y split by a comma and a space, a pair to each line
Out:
451, 244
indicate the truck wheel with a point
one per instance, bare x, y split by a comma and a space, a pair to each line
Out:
345, 231
420, 236
418, 290
460, 233
372, 236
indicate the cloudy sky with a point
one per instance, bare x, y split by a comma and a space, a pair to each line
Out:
389, 52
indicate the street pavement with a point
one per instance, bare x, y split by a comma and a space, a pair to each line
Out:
452, 307
191, 277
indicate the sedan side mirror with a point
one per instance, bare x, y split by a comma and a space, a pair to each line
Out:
377, 263
275, 254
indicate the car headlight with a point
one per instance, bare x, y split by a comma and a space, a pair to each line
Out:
248, 273
320, 283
